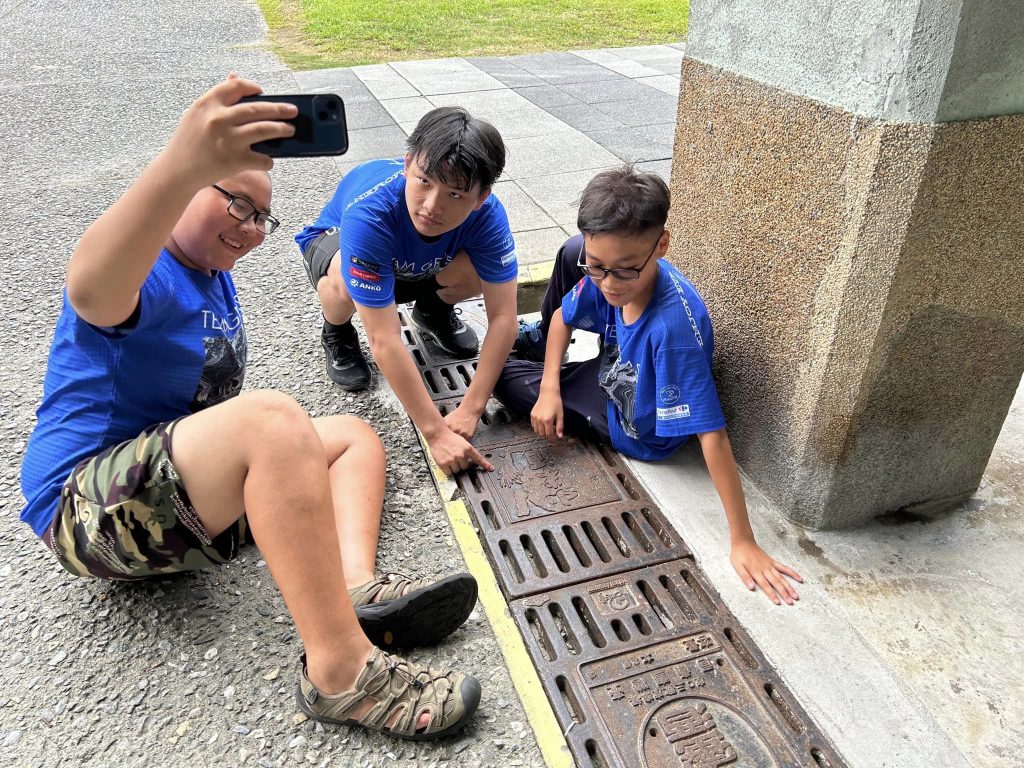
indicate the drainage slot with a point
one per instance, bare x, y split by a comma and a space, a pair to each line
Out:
556, 553
620, 630
606, 454
820, 759
627, 483
639, 535
490, 515
588, 621
448, 380
678, 597
466, 375
533, 556
420, 360
783, 707
569, 697
485, 418
595, 542
408, 337
641, 624
616, 537
577, 546
513, 566
570, 640
695, 586
655, 603
596, 758
474, 480
540, 634
657, 526
431, 382
741, 650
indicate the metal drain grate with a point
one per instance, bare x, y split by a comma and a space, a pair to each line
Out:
424, 350
642, 662
647, 669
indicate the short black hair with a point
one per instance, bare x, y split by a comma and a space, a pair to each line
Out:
623, 201
457, 148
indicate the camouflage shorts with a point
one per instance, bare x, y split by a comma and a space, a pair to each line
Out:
124, 514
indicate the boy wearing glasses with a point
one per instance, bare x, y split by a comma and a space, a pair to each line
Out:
651, 388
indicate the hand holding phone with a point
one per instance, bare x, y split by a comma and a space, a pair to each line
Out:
320, 127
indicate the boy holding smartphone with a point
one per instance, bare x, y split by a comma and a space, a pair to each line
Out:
422, 228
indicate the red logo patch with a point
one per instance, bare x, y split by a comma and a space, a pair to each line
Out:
362, 274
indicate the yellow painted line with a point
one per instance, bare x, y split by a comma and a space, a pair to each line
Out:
524, 677
540, 273
520, 668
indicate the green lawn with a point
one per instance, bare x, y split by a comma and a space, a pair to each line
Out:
310, 34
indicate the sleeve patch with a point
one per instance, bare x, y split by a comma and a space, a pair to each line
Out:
681, 411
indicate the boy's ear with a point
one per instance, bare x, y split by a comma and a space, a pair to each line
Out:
484, 194
662, 247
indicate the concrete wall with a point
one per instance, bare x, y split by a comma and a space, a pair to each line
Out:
905, 60
865, 283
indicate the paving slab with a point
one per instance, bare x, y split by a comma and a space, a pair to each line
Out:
649, 142
665, 83
505, 71
557, 153
366, 114
445, 76
559, 193
616, 63
372, 143
523, 213
557, 68
547, 96
384, 82
537, 246
657, 108
407, 110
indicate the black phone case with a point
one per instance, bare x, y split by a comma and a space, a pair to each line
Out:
320, 127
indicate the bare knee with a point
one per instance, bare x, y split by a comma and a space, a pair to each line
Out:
333, 296
342, 433
459, 280
273, 421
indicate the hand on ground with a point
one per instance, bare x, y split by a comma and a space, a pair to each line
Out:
758, 569
453, 453
462, 422
547, 416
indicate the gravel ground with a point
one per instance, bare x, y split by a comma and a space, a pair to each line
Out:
198, 669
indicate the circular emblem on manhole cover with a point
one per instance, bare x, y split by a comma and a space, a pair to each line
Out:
698, 731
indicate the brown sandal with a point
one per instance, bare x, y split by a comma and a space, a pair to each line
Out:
397, 685
424, 615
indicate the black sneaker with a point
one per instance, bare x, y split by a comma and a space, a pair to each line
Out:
530, 342
444, 326
346, 365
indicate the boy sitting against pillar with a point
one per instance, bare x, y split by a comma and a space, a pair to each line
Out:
651, 388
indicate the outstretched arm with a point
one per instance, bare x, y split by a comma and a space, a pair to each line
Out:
212, 141
452, 452
500, 302
752, 563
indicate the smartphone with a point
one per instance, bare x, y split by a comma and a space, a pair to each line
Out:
320, 127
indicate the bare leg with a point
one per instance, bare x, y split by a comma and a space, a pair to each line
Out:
356, 459
260, 453
459, 280
335, 302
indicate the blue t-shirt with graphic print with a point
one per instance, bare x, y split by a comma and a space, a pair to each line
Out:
379, 243
186, 351
656, 371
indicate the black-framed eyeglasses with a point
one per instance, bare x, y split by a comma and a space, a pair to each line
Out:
619, 273
243, 210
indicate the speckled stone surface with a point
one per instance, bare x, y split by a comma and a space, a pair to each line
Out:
864, 281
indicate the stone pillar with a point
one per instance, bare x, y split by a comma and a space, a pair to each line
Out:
848, 197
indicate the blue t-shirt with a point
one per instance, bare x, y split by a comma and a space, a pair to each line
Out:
379, 243
657, 371
186, 351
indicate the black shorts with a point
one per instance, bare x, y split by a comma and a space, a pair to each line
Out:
317, 260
